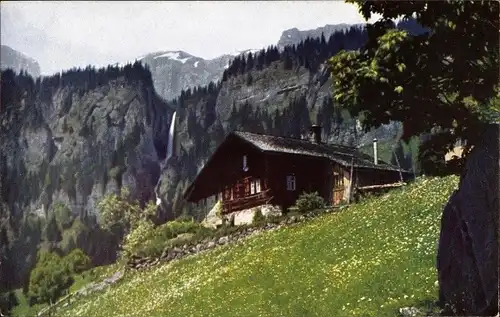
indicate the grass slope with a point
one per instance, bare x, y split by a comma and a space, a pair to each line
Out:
368, 260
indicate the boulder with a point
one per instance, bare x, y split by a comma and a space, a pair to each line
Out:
467, 259
223, 240
409, 312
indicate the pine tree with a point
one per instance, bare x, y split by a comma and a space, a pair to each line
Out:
52, 232
250, 62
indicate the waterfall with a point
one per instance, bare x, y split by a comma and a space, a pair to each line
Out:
170, 145
170, 153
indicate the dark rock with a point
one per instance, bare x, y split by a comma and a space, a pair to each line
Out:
467, 260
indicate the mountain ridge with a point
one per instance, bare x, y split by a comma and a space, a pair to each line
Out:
11, 58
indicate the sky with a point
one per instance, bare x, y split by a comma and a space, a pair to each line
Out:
65, 34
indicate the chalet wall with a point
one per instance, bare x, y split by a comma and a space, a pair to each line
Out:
347, 183
311, 175
226, 167
377, 177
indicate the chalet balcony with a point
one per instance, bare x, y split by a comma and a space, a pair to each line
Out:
247, 202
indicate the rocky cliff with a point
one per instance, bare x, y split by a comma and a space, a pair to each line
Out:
66, 141
10, 58
294, 36
79, 145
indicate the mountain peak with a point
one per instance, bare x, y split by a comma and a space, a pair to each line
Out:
180, 56
17, 61
294, 36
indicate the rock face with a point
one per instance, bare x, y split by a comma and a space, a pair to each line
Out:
10, 58
174, 71
79, 146
294, 36
467, 260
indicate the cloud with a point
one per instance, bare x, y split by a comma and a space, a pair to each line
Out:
65, 34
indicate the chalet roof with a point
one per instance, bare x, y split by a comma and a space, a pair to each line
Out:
340, 154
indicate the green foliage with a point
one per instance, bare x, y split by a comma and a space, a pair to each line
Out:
62, 215
116, 171
258, 217
49, 278
77, 261
52, 231
23, 308
142, 233
122, 211
93, 275
8, 301
309, 202
218, 209
415, 79
53, 275
146, 239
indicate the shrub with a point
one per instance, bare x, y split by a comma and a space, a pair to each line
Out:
218, 209
309, 202
116, 171
77, 261
184, 218
122, 211
147, 240
138, 237
258, 217
49, 279
63, 215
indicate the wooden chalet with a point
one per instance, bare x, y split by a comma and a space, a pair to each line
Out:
249, 170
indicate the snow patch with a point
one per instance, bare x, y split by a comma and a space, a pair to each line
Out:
289, 36
174, 55
245, 52
196, 63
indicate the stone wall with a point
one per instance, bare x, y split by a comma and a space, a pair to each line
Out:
242, 217
246, 216
174, 253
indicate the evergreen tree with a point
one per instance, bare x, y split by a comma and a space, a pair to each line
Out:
249, 79
250, 62
52, 232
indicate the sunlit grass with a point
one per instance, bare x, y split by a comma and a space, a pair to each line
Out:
368, 260
96, 274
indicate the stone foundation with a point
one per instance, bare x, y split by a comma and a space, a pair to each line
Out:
245, 216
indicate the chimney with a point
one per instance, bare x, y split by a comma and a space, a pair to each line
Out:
316, 133
375, 154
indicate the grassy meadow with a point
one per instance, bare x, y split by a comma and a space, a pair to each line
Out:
370, 259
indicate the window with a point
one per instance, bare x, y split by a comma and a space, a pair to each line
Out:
245, 166
257, 186
290, 182
252, 188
